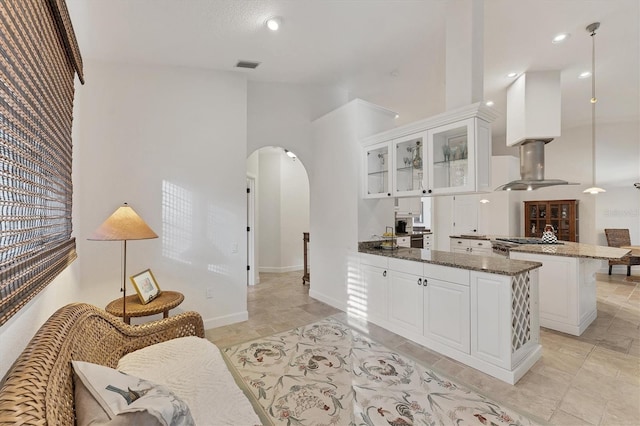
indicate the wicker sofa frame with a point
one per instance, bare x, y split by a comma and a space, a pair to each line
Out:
38, 389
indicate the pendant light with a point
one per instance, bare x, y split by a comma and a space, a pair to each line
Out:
592, 31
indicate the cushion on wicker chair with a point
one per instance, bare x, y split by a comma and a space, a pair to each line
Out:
110, 397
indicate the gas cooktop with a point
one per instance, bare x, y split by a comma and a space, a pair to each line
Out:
516, 240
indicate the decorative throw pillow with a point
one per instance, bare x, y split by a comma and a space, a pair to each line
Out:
107, 396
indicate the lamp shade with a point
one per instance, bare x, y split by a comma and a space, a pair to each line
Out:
124, 224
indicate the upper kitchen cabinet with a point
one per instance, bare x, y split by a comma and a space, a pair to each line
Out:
377, 171
449, 153
408, 165
459, 157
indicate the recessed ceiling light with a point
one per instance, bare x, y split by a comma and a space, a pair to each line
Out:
585, 74
274, 23
397, 116
489, 103
560, 38
512, 74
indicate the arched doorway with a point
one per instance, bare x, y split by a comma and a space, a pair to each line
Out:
277, 212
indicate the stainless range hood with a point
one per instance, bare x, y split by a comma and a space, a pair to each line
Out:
532, 168
533, 120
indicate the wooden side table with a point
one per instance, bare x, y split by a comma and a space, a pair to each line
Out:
163, 303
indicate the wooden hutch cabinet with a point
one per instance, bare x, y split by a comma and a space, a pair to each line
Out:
561, 214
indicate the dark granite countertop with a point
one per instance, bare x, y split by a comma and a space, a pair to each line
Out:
489, 264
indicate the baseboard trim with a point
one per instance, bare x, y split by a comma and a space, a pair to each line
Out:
226, 320
328, 300
280, 269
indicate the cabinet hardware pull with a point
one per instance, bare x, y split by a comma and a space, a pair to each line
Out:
425, 282
384, 274
419, 281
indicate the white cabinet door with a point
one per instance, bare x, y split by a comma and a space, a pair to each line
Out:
405, 301
459, 157
491, 318
446, 314
409, 161
372, 302
377, 170
465, 214
409, 206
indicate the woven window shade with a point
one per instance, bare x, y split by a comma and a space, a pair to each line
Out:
39, 58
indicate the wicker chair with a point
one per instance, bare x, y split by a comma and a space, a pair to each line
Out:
38, 390
617, 238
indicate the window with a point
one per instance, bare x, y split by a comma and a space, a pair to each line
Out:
39, 58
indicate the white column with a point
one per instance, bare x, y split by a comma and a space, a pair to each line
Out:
464, 53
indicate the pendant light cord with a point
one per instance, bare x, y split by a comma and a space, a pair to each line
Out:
593, 105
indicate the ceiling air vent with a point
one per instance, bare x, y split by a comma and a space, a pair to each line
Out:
247, 64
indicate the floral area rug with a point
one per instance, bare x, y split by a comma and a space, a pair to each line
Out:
326, 373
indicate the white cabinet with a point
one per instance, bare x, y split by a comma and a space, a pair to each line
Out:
377, 160
403, 241
487, 321
471, 246
405, 295
446, 154
422, 302
408, 207
370, 300
428, 241
373, 299
504, 321
405, 301
408, 162
459, 157
446, 313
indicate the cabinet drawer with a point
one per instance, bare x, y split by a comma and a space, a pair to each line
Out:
373, 260
404, 241
458, 242
406, 266
445, 273
480, 244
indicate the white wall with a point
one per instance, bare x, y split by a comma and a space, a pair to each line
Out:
283, 194
335, 194
18, 331
294, 212
172, 143
269, 219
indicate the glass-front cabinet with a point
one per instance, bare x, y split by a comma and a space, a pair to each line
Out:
378, 171
562, 215
450, 148
409, 162
446, 154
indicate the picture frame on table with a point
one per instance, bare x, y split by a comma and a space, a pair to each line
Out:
146, 286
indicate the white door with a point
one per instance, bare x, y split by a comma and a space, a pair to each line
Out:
446, 314
405, 301
373, 303
465, 214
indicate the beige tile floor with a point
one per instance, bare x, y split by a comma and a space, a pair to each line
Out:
593, 379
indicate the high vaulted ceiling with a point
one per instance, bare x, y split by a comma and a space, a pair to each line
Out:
389, 52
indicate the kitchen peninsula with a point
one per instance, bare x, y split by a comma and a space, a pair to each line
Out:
479, 310
567, 281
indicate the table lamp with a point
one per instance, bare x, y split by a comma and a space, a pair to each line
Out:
124, 224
